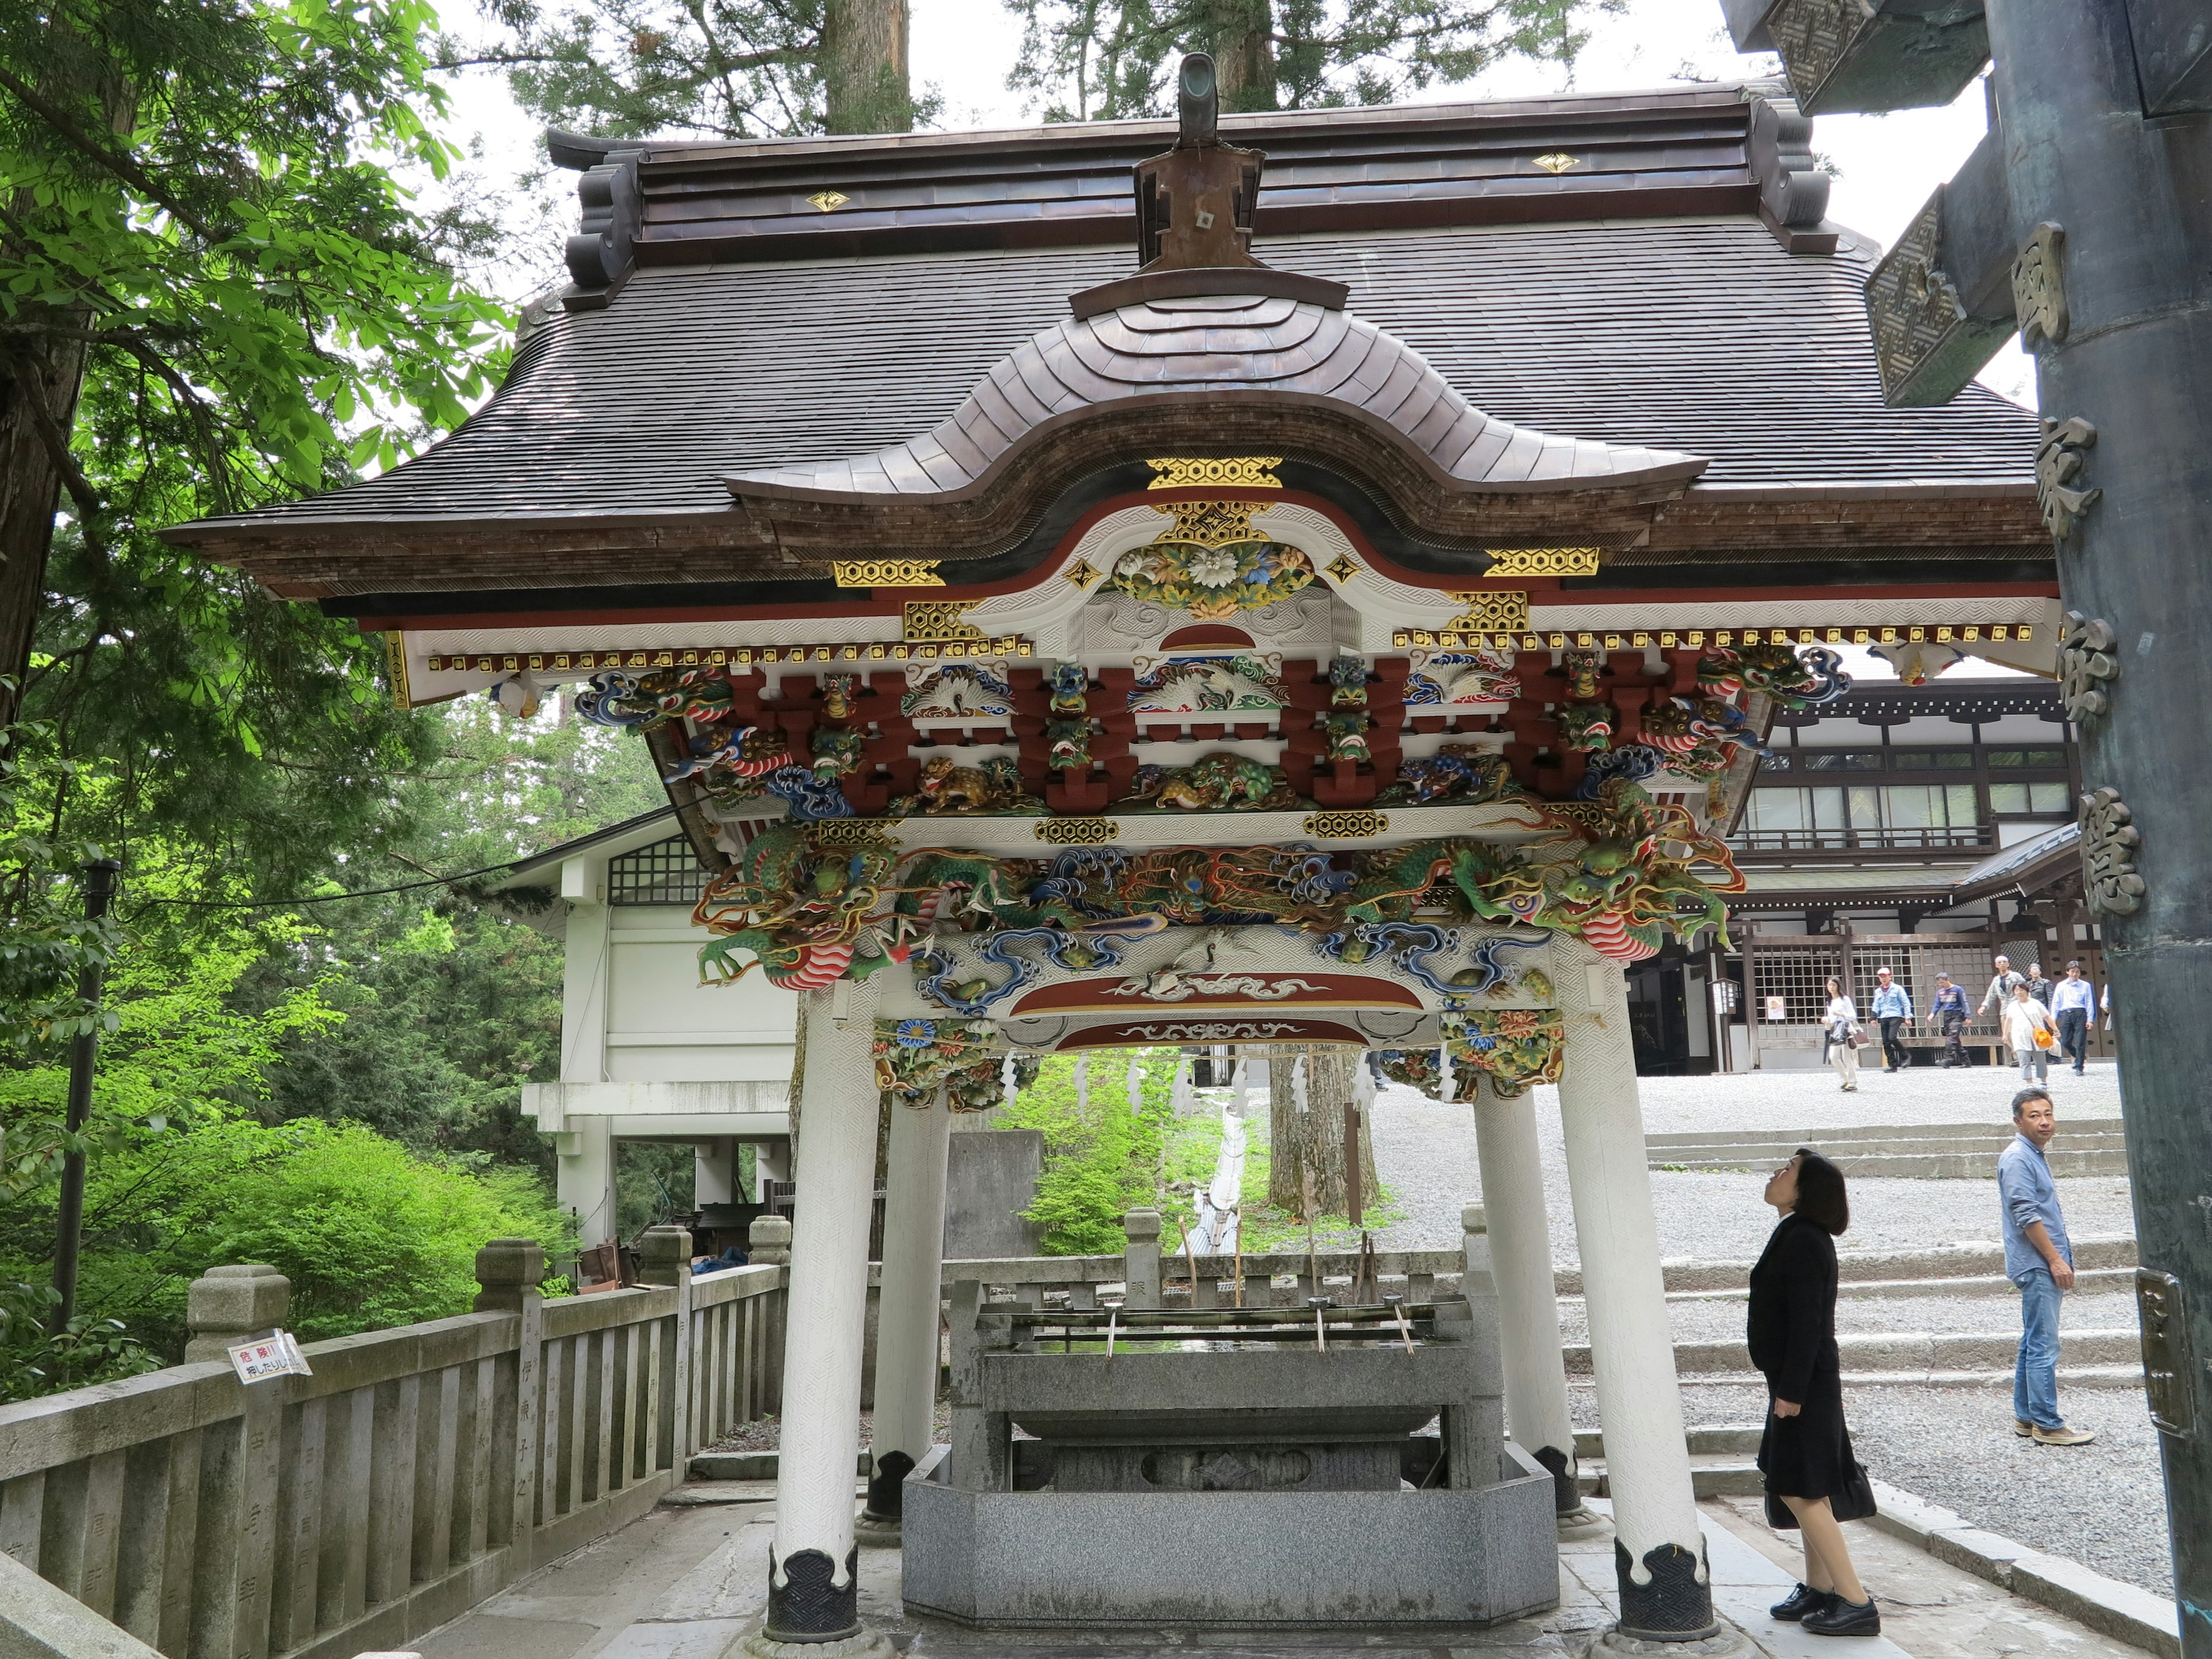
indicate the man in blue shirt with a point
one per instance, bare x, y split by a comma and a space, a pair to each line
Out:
1893, 1007
2039, 1260
2073, 1006
1950, 1011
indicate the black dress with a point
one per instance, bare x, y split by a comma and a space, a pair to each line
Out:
1792, 1336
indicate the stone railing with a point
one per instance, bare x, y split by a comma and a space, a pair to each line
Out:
416, 1472
1153, 1272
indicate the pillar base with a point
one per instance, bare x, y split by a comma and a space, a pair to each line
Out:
1725, 1644
809, 1612
1582, 1522
1675, 1604
865, 1645
874, 1531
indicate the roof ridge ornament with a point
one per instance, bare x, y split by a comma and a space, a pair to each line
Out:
1195, 206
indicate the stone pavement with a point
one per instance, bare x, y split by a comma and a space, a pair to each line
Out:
689, 1580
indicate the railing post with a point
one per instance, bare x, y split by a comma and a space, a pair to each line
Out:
508, 1271
664, 1257
229, 1305
1141, 1258
768, 1244
238, 1483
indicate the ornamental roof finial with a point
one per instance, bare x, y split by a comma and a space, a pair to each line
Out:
1194, 203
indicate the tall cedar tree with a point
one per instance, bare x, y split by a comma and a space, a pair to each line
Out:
716, 69
214, 292
1098, 60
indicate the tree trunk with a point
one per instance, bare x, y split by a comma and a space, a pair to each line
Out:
1244, 54
40, 380
38, 387
864, 66
1310, 1143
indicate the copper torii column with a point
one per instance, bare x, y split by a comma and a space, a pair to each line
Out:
2096, 187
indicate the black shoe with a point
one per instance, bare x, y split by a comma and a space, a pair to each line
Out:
1842, 1618
1800, 1601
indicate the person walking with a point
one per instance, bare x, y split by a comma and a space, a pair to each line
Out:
2039, 1259
2028, 1028
1805, 1453
1999, 991
1840, 1036
1949, 1009
2074, 1005
1892, 1008
2038, 986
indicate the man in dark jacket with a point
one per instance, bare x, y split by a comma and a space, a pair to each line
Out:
1950, 1011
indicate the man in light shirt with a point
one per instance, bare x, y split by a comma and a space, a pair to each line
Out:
2039, 1259
2001, 988
2074, 1005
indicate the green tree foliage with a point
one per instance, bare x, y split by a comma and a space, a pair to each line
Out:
713, 69
1092, 60
1105, 1154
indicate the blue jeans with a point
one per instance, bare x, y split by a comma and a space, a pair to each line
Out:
2035, 1376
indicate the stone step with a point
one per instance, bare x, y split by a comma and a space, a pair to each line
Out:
2087, 1281
1914, 1352
747, 1465
1978, 1259
1733, 1439
1979, 1164
1997, 1133
1712, 1475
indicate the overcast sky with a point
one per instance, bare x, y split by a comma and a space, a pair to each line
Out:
1886, 165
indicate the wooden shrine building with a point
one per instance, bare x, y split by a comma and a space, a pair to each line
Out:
1314, 577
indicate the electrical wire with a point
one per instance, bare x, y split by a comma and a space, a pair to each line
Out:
327, 899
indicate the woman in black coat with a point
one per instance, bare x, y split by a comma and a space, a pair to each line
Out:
1806, 1455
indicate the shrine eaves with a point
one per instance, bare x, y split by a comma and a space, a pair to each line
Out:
1482, 473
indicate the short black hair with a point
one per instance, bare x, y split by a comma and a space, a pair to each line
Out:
1821, 1199
2072, 965
2019, 1101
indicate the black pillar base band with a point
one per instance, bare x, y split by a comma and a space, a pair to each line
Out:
887, 1487
808, 1606
1675, 1606
1567, 1490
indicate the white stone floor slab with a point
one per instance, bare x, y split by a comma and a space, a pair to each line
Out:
690, 1578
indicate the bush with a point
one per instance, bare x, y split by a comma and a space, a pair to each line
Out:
371, 1235
1102, 1156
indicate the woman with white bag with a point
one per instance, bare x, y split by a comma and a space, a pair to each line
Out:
1840, 1037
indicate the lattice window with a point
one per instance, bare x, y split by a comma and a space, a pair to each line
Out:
667, 872
1799, 977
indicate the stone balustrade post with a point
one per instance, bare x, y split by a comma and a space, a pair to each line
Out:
1141, 1258
768, 1244
508, 1274
226, 1306
664, 1259
768, 1240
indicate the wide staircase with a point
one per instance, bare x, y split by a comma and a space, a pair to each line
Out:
1944, 1151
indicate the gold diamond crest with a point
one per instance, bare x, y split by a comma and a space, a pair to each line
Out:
828, 201
1557, 161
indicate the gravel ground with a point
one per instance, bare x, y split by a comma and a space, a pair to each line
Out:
2101, 1504
1424, 1152
1721, 1321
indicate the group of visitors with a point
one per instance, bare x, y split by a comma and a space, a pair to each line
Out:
1811, 1477
2037, 1016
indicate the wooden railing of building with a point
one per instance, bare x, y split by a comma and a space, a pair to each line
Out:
416, 1473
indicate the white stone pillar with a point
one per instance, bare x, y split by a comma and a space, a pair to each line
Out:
813, 1588
907, 1312
1519, 1227
714, 1172
1658, 1551
584, 1176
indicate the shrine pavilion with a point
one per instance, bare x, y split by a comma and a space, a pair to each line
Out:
1321, 577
